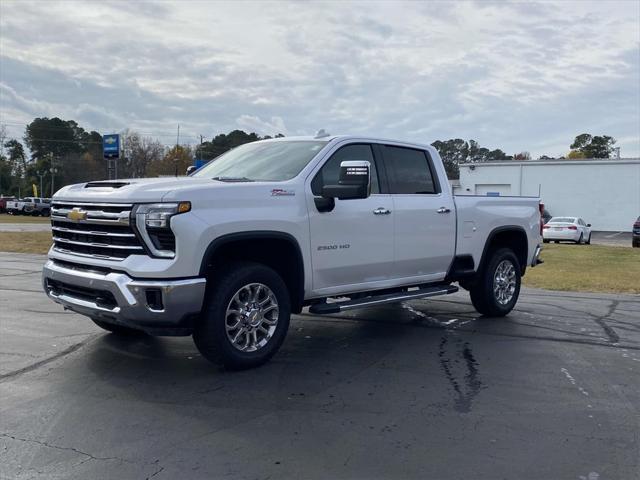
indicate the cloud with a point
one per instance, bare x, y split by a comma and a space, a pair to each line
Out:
512, 75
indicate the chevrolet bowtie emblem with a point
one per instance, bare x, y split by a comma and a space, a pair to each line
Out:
76, 215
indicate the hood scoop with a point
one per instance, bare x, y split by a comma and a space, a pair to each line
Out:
106, 184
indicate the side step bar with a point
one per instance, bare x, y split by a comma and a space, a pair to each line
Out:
336, 307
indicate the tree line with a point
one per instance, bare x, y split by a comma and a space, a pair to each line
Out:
56, 152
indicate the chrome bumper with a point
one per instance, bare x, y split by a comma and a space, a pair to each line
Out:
84, 291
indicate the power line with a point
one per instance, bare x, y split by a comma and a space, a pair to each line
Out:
131, 129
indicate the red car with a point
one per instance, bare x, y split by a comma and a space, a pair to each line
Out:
3, 203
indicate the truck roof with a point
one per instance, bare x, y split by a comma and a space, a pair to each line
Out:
365, 138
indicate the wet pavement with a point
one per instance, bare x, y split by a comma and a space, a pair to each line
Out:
425, 389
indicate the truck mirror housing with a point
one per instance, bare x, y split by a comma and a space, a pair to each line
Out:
354, 182
191, 169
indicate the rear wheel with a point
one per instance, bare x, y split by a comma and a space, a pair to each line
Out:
546, 241
246, 316
498, 287
118, 329
580, 240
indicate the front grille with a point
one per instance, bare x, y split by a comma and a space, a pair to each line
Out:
101, 230
101, 298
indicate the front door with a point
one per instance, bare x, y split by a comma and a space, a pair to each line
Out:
352, 245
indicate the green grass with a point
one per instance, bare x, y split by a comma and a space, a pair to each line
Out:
25, 242
6, 218
587, 268
576, 268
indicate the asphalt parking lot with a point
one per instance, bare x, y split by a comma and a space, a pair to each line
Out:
425, 389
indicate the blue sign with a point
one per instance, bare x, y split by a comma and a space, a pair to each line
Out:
111, 146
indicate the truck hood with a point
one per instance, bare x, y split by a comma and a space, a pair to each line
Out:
133, 189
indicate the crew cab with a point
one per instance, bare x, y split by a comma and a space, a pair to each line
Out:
29, 206
331, 223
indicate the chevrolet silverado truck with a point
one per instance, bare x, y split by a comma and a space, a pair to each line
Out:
331, 223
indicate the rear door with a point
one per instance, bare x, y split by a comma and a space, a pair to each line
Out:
352, 244
424, 215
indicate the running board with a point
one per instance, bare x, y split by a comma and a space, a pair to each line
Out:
336, 307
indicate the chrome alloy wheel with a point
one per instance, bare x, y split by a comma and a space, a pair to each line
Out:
251, 317
504, 282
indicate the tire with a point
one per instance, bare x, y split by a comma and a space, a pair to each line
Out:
119, 330
546, 241
483, 296
234, 301
580, 240
556, 241
588, 242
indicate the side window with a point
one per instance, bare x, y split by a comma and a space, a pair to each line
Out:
411, 171
329, 174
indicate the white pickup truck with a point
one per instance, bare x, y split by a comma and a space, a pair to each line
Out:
29, 206
331, 223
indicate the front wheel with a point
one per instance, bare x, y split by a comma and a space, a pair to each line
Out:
588, 242
497, 289
246, 316
580, 240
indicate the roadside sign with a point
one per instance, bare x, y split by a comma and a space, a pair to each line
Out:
111, 146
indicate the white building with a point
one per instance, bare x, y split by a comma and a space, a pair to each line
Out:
606, 193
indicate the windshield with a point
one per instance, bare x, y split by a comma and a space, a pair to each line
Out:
562, 220
268, 161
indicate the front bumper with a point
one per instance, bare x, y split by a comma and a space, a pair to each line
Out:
162, 307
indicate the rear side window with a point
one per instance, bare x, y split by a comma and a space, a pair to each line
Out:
412, 173
329, 174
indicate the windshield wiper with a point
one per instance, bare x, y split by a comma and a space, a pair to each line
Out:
232, 179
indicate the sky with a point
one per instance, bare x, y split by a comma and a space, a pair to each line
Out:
511, 75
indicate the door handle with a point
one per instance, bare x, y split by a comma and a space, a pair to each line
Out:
381, 211
443, 210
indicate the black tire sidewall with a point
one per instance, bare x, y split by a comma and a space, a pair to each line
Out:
488, 303
210, 335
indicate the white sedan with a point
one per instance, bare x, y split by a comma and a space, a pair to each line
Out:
567, 229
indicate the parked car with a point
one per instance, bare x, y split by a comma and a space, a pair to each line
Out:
3, 203
30, 206
636, 233
228, 253
567, 229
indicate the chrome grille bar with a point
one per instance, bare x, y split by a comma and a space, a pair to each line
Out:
92, 232
96, 244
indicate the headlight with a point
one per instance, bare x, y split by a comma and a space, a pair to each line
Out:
157, 215
153, 222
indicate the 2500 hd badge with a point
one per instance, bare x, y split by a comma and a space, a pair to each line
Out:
333, 247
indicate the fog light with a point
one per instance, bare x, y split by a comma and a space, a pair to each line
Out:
154, 299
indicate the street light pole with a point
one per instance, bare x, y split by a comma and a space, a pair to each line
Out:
41, 175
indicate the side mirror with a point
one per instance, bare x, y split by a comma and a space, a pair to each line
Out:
191, 169
588, 224
355, 181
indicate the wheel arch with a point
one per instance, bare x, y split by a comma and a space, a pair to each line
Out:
509, 236
278, 250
